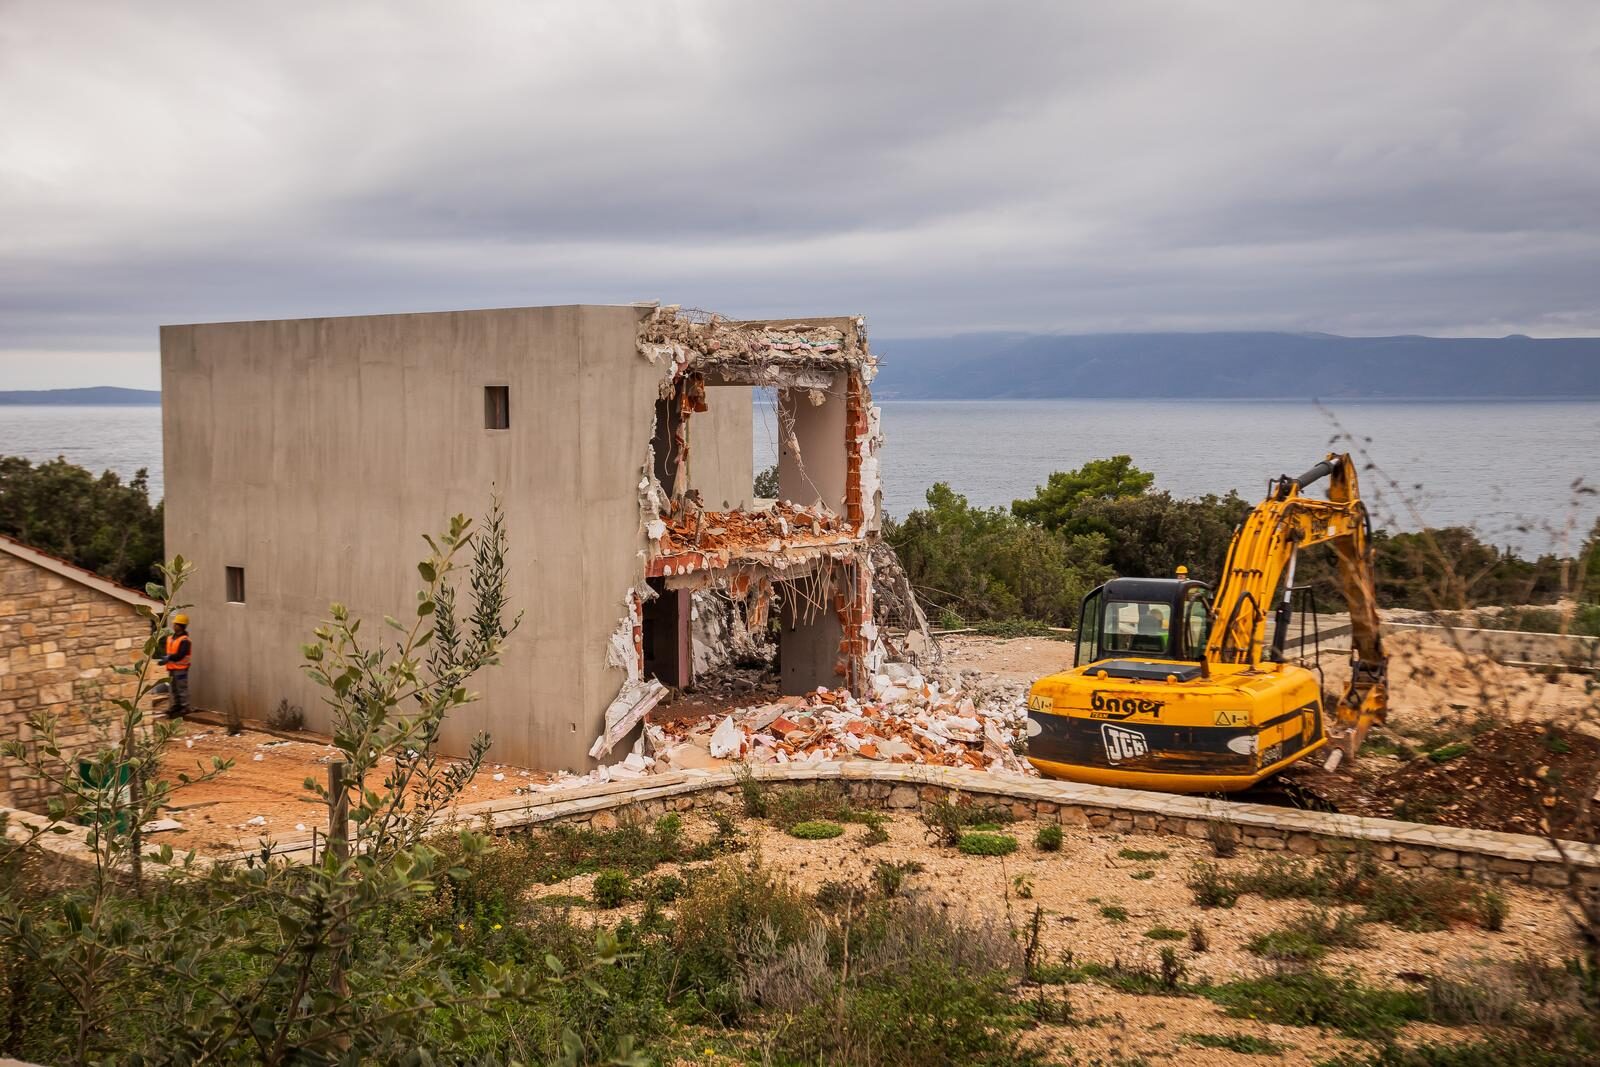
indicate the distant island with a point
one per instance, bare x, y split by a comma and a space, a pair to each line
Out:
94, 394
993, 366
1172, 366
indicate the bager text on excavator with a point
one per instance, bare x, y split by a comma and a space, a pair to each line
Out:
1176, 690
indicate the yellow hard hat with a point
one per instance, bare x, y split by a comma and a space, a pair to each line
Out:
180, 619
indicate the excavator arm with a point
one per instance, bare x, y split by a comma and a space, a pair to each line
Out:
1261, 563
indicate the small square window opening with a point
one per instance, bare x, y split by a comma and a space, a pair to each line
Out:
236, 585
497, 407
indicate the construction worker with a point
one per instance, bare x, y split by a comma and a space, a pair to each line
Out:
176, 658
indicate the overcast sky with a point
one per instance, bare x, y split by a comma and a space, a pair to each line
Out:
1083, 166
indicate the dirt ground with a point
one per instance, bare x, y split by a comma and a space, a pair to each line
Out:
1018, 659
1434, 686
266, 783
1089, 873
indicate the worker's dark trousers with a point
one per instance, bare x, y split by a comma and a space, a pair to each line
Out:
178, 702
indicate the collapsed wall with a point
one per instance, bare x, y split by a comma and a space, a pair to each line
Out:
798, 571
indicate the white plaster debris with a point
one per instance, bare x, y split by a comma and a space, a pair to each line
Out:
726, 741
259, 820
964, 720
499, 777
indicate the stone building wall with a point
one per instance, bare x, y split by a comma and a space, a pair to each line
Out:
60, 637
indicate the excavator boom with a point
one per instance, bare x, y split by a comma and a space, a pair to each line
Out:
1261, 561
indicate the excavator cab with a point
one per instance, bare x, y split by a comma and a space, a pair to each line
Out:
1128, 620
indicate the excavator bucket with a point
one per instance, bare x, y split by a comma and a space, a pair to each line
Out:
1365, 704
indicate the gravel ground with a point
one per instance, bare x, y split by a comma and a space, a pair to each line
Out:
1088, 873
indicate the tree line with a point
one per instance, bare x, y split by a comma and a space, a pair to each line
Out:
98, 522
1035, 560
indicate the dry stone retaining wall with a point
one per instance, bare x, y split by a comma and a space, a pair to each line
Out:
1478, 854
1474, 853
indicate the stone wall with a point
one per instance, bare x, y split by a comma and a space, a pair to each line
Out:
59, 640
1482, 854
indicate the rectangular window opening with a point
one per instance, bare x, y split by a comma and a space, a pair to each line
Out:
236, 585
497, 407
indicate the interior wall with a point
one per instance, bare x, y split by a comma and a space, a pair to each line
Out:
721, 443
817, 473
808, 648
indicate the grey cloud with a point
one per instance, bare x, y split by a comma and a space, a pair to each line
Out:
1361, 167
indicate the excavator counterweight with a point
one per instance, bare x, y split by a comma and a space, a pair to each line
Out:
1177, 689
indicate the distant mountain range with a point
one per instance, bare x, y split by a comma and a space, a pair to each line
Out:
1235, 366
994, 366
95, 394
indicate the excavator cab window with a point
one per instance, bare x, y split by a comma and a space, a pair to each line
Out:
1196, 622
1142, 628
1088, 629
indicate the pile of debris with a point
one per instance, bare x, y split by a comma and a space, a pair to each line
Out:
1522, 778
782, 526
907, 719
672, 335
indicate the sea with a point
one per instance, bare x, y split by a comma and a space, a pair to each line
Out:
1519, 472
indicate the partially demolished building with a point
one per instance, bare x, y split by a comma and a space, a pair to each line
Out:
305, 459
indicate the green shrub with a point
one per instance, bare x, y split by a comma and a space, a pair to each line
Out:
1313, 998
1498, 1051
1244, 1044
890, 877
611, 889
1142, 876
1009, 628
1164, 933
662, 889
562, 851
1430, 902
485, 880
1126, 977
1423, 901
1287, 945
716, 918
815, 830
1446, 753
1048, 839
824, 802
977, 843
1308, 936
1493, 910
1114, 913
922, 990
834, 896
949, 816
1140, 855
1211, 887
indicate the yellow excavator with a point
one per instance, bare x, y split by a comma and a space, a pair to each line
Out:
1178, 690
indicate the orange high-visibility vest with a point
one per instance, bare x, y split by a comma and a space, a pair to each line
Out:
174, 641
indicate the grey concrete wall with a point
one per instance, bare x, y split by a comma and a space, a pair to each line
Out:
818, 472
315, 453
721, 448
808, 646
